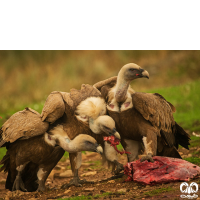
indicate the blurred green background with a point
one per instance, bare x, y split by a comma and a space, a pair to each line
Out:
27, 77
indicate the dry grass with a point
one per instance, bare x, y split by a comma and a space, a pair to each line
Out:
27, 77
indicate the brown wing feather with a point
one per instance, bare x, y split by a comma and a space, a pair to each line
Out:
110, 82
54, 107
23, 124
80, 95
157, 111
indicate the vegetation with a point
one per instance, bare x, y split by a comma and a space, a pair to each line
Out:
27, 78
83, 197
158, 191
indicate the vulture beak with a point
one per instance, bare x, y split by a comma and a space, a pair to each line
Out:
144, 73
99, 149
116, 134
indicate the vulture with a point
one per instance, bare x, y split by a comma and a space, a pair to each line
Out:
30, 144
142, 119
82, 112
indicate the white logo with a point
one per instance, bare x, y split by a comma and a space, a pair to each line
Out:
189, 189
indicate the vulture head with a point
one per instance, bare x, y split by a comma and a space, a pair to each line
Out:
128, 73
82, 142
132, 71
92, 111
104, 124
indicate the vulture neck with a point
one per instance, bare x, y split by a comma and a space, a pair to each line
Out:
121, 89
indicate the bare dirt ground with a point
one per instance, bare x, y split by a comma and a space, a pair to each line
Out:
92, 170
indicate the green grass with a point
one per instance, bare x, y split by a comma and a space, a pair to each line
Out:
83, 197
186, 99
158, 191
193, 160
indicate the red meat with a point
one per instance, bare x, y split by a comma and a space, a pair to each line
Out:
163, 170
114, 142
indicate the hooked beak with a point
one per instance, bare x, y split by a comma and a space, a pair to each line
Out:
99, 149
115, 133
144, 73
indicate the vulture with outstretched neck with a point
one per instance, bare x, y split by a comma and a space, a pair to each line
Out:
31, 146
142, 118
81, 112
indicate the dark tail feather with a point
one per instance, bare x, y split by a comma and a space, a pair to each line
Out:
182, 137
5, 162
6, 168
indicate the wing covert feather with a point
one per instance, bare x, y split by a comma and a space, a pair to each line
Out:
54, 107
23, 124
157, 111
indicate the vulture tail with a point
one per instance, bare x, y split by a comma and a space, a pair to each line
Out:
6, 168
182, 137
6, 163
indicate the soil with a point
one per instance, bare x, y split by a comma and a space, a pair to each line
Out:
118, 189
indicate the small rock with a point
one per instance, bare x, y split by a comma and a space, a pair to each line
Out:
65, 174
88, 189
123, 190
181, 153
89, 174
189, 155
111, 181
59, 167
135, 188
3, 180
67, 191
147, 186
86, 164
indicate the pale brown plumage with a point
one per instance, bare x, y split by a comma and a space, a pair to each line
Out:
143, 117
38, 155
23, 125
85, 114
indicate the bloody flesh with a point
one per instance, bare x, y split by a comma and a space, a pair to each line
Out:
114, 142
163, 170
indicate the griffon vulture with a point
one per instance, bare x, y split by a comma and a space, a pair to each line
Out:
28, 142
142, 117
81, 112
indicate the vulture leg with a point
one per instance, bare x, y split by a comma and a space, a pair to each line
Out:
42, 175
45, 169
18, 183
132, 146
75, 160
110, 155
150, 145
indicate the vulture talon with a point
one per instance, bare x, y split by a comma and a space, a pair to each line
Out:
148, 158
119, 167
18, 184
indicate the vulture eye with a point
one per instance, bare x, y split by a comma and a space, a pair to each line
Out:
131, 69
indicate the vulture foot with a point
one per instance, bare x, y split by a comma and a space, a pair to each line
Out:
119, 167
148, 158
76, 182
18, 184
41, 188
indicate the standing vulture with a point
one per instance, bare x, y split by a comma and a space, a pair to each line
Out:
28, 144
81, 112
142, 117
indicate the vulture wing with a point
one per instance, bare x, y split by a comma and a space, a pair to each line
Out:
105, 85
86, 91
54, 106
23, 124
158, 112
